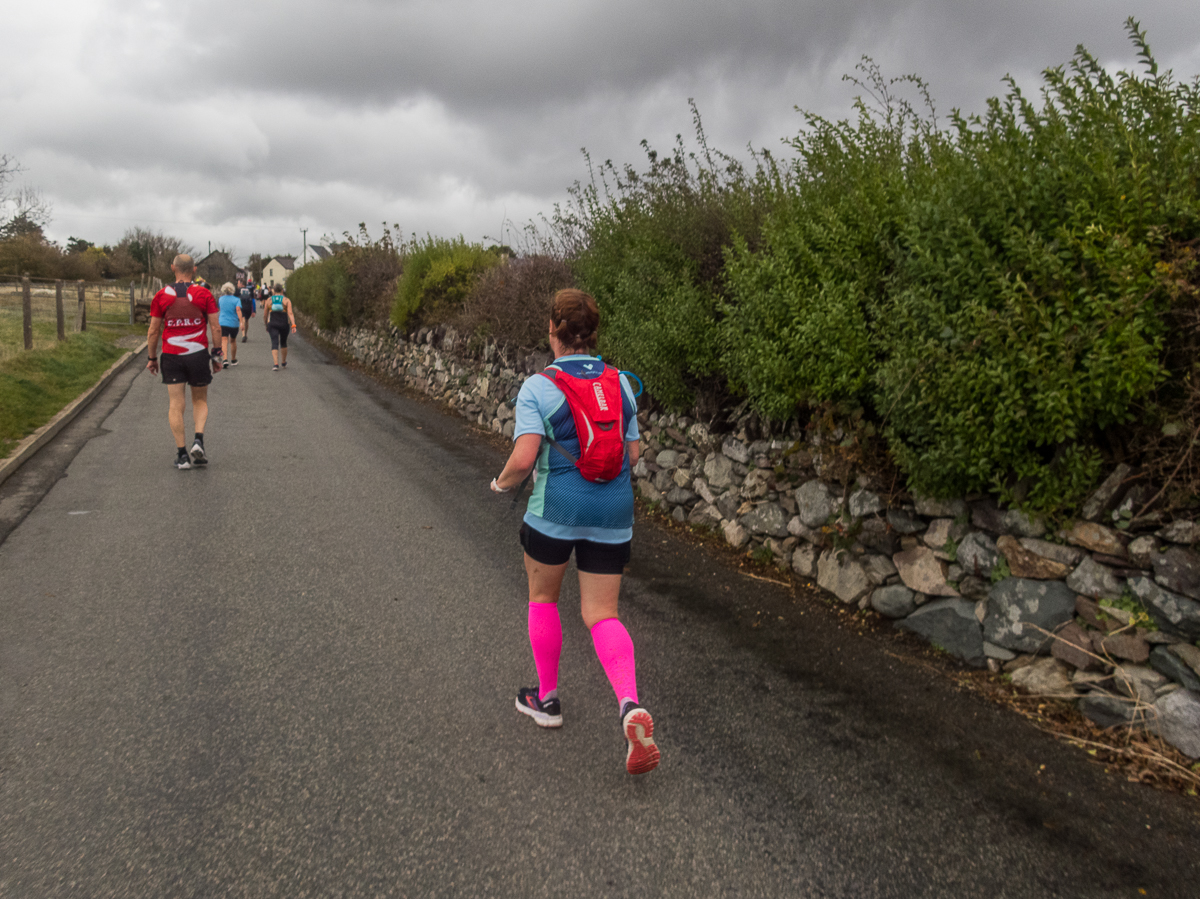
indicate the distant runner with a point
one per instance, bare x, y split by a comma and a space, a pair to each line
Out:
182, 314
280, 322
247, 295
231, 322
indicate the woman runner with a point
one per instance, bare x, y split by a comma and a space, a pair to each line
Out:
569, 513
230, 305
280, 322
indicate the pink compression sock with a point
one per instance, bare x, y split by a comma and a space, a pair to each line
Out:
545, 636
614, 648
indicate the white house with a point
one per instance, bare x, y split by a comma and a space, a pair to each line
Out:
318, 253
278, 269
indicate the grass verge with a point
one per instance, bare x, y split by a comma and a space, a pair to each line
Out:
36, 384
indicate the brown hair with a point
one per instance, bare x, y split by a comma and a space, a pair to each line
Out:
576, 319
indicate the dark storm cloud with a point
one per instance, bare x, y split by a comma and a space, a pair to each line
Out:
478, 57
448, 116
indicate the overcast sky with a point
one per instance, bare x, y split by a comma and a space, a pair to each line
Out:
238, 123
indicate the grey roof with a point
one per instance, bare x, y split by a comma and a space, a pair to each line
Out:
320, 251
288, 262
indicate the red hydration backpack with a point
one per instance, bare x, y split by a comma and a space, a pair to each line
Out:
597, 406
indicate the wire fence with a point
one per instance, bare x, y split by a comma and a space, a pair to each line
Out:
81, 304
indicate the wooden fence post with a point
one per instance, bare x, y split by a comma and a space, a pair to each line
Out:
131, 302
58, 310
81, 313
27, 312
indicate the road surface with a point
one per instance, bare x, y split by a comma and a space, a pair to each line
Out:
292, 674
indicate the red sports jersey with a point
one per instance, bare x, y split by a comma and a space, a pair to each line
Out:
185, 319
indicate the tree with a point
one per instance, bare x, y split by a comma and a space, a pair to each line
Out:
255, 264
78, 245
24, 211
149, 251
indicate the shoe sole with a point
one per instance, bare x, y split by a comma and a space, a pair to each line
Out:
198, 457
642, 755
183, 466
540, 718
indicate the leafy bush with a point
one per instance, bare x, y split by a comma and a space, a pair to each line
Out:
321, 289
438, 276
1026, 308
802, 315
652, 251
510, 303
996, 294
355, 285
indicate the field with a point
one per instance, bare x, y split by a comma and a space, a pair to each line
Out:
35, 384
107, 305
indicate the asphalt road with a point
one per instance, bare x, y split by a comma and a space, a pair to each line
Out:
292, 674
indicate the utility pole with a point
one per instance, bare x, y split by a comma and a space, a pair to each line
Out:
304, 250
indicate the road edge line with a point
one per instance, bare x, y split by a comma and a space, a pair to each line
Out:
30, 445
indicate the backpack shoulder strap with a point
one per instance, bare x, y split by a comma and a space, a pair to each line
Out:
563, 451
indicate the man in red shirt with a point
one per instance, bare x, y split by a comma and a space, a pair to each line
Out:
182, 314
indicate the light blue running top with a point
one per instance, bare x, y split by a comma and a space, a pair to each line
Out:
229, 303
564, 505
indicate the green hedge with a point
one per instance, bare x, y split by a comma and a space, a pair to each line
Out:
653, 254
992, 293
438, 276
322, 290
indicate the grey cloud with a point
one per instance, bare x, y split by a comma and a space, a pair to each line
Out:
447, 115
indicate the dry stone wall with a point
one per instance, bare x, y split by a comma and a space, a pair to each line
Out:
1092, 614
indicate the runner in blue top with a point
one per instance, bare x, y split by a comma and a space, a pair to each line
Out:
230, 305
568, 514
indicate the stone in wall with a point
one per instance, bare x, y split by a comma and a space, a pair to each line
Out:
815, 503
977, 554
951, 625
1022, 614
1178, 570
1174, 613
842, 575
923, 572
1024, 563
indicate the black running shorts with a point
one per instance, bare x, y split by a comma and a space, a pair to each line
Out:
229, 330
592, 557
279, 335
194, 369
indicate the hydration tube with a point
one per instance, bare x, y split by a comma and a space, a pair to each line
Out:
640, 388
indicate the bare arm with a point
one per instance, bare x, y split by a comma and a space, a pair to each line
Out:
152, 336
521, 462
214, 325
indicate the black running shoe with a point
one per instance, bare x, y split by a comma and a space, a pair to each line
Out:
198, 454
233, 362
182, 459
641, 756
546, 712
